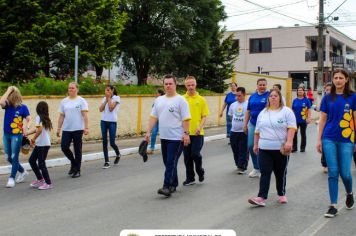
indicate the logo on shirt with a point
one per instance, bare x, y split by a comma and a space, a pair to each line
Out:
16, 124
263, 100
347, 126
304, 112
280, 121
171, 109
303, 105
347, 107
78, 107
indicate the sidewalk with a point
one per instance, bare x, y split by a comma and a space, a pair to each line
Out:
92, 150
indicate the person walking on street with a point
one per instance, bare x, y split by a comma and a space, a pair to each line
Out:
301, 108
14, 129
336, 137
172, 113
273, 141
154, 134
256, 103
42, 140
199, 111
229, 99
73, 121
327, 90
238, 138
109, 108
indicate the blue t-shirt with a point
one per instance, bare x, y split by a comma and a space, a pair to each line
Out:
13, 119
300, 108
256, 103
339, 124
229, 99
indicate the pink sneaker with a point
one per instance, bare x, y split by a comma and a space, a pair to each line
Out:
37, 183
45, 186
257, 201
282, 199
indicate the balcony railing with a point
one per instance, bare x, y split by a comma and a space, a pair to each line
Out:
351, 64
311, 55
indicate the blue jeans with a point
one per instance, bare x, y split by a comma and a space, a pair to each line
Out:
154, 136
192, 156
111, 127
228, 124
338, 156
250, 142
171, 151
238, 141
12, 145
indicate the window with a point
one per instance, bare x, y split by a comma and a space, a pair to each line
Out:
261, 45
298, 78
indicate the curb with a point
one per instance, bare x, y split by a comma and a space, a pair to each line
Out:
62, 161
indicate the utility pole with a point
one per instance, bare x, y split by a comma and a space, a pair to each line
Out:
321, 27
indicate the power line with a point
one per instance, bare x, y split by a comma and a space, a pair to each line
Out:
336, 8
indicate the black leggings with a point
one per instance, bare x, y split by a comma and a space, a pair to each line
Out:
40, 154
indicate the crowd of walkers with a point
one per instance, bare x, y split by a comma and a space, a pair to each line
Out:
262, 127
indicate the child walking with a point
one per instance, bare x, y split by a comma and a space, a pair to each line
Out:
43, 143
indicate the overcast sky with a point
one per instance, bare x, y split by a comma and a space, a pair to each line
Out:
246, 14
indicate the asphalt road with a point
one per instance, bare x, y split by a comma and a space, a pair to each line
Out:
103, 202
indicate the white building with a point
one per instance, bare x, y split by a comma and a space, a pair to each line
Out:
292, 52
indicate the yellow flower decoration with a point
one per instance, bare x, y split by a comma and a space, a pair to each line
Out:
304, 113
16, 125
348, 126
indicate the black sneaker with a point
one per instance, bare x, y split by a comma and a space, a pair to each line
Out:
294, 150
189, 182
164, 191
106, 165
201, 177
76, 174
71, 170
332, 212
302, 150
349, 201
172, 189
117, 159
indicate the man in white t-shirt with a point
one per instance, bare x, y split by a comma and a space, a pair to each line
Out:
172, 112
238, 138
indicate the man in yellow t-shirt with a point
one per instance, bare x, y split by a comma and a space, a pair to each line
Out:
199, 111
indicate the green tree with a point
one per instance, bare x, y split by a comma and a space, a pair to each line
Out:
169, 36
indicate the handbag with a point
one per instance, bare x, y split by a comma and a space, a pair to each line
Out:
281, 149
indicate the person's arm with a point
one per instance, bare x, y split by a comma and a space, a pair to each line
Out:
322, 122
59, 124
289, 143
26, 127
86, 122
309, 116
151, 123
201, 125
246, 120
112, 104
186, 138
222, 109
255, 143
5, 96
102, 106
37, 133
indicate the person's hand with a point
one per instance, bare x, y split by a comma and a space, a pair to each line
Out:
32, 142
308, 121
86, 131
186, 139
221, 114
288, 147
319, 147
197, 131
148, 136
255, 149
58, 133
10, 89
245, 129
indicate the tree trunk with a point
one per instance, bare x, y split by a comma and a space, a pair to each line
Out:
99, 72
142, 68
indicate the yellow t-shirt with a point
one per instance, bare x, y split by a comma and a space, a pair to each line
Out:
198, 109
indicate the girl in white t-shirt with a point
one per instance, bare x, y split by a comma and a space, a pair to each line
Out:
43, 143
109, 108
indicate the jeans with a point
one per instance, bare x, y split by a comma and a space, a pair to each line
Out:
192, 155
238, 141
171, 151
272, 161
338, 156
111, 126
12, 144
250, 142
154, 136
76, 137
323, 161
303, 128
228, 124
40, 154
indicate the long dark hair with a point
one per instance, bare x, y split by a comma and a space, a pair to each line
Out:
113, 89
347, 89
42, 112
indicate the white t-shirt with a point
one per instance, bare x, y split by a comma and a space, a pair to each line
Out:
238, 110
108, 115
72, 110
171, 112
44, 139
272, 126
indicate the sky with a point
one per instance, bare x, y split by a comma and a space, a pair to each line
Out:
254, 14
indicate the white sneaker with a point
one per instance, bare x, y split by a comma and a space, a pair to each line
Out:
21, 177
254, 174
10, 183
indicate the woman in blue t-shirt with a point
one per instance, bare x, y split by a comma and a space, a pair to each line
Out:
229, 99
256, 103
336, 137
301, 108
14, 130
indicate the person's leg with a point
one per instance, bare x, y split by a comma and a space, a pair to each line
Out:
295, 139
266, 167
33, 162
323, 161
16, 141
235, 146
303, 143
251, 136
188, 162
43, 151
280, 164
330, 151
197, 145
77, 142
104, 132
242, 154
345, 153
153, 136
65, 146
7, 147
354, 158
112, 134
228, 124
174, 150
